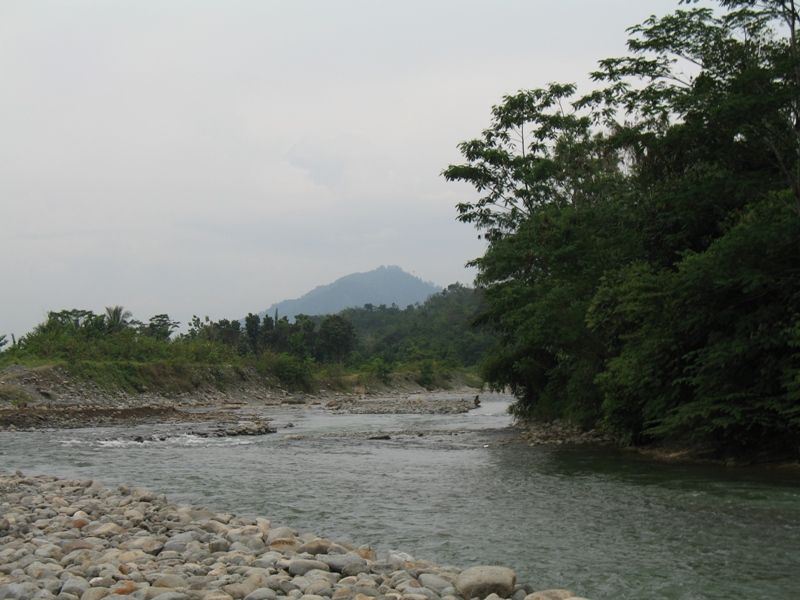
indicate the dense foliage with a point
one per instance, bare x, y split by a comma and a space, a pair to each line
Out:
643, 267
441, 328
428, 340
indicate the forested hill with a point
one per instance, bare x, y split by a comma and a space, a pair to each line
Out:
383, 286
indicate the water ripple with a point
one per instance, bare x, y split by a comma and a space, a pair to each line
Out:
602, 522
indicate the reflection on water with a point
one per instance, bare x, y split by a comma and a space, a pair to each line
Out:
600, 521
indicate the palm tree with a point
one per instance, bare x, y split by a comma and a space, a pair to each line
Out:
117, 318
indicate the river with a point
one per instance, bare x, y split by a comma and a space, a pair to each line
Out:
456, 489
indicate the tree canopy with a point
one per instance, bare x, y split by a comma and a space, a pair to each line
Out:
643, 266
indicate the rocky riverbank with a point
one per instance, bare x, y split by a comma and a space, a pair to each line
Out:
53, 399
558, 432
243, 417
198, 388
79, 540
218, 422
187, 387
414, 404
60, 402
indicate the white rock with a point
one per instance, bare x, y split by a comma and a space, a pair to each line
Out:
484, 580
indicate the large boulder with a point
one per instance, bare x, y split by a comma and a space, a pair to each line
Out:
215, 527
170, 580
146, 543
262, 594
300, 566
75, 586
19, 591
281, 533
434, 582
316, 546
95, 593
479, 582
338, 562
282, 539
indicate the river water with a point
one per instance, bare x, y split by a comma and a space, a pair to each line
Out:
456, 489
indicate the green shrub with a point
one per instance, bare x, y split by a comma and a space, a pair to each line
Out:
293, 372
380, 368
425, 377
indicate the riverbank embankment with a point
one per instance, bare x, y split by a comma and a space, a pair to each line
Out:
80, 540
230, 397
54, 399
179, 387
59, 401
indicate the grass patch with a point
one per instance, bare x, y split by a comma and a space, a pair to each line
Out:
13, 396
146, 377
335, 377
296, 374
170, 378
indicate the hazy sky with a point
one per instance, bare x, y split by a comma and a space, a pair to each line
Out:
212, 158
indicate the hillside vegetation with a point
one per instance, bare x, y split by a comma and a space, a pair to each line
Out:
427, 344
384, 285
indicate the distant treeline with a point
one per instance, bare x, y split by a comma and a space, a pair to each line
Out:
429, 339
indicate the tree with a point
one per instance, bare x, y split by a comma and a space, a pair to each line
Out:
643, 266
229, 332
336, 338
252, 328
707, 106
705, 348
302, 337
200, 329
72, 322
442, 327
709, 352
547, 176
745, 90
277, 338
117, 318
538, 151
160, 327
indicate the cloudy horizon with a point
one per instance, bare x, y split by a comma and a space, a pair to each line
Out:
213, 158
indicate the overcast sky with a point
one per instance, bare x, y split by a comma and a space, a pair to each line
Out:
212, 158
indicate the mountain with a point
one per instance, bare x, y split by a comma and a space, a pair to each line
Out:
385, 285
